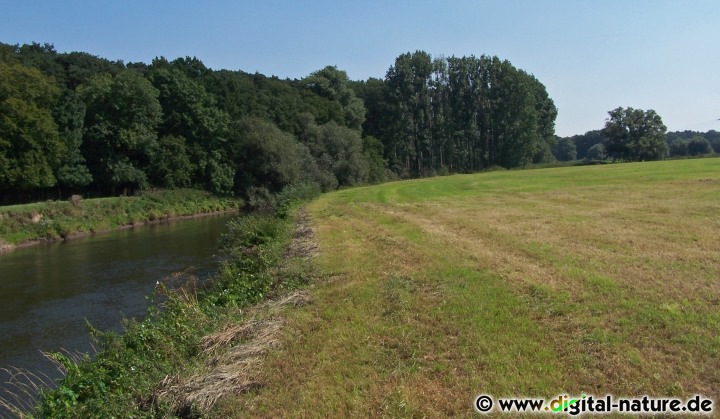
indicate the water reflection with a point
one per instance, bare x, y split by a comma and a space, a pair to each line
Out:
47, 291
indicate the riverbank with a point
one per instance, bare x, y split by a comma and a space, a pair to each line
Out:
197, 343
30, 224
200, 340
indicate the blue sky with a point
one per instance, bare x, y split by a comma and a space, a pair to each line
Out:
592, 56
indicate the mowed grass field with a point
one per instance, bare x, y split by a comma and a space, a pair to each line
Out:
595, 279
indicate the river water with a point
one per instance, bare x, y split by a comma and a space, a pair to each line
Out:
48, 291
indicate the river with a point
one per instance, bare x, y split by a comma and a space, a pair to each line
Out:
48, 291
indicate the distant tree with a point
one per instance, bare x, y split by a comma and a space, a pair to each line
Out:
8, 54
584, 142
192, 124
170, 165
333, 84
698, 145
120, 128
565, 149
109, 129
596, 152
514, 115
264, 156
70, 116
408, 81
543, 152
714, 138
30, 146
380, 119
635, 135
678, 147
377, 166
342, 148
79, 67
547, 113
338, 152
220, 172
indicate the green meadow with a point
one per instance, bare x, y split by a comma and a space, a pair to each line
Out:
595, 279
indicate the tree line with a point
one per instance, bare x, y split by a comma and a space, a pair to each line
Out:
633, 135
458, 114
77, 123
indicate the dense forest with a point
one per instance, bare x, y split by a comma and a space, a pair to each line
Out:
77, 123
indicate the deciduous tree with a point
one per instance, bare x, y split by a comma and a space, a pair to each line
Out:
122, 116
30, 146
635, 135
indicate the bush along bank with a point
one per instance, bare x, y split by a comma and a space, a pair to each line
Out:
57, 220
138, 373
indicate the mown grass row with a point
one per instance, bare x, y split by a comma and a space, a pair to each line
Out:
54, 220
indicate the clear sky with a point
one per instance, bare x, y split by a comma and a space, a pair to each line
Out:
592, 55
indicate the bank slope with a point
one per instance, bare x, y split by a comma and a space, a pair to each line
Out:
58, 220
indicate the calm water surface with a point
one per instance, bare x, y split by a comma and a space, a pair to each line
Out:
47, 291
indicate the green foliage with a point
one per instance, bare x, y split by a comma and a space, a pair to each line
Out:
377, 166
333, 84
128, 368
597, 152
221, 173
171, 166
583, 142
679, 147
544, 153
30, 147
121, 129
635, 135
698, 145
464, 114
714, 138
293, 194
565, 149
253, 245
190, 113
70, 115
264, 156
120, 140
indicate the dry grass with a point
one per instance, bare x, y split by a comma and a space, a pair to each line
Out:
304, 244
24, 387
234, 359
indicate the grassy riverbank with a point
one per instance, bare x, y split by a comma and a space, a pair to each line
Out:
199, 342
55, 220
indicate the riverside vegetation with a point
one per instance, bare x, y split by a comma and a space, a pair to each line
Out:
179, 359
55, 220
